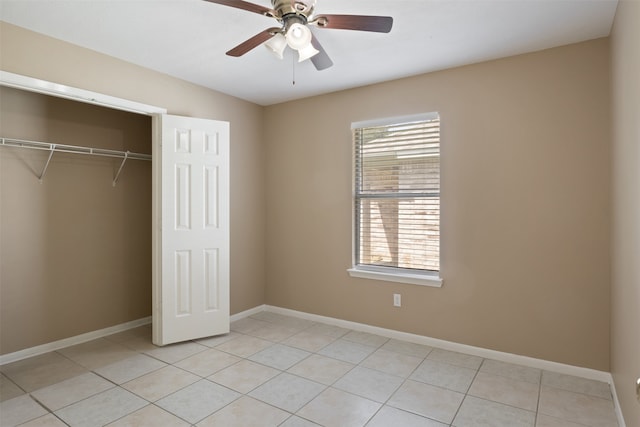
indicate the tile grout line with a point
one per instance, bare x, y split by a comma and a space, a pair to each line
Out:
326, 387
466, 394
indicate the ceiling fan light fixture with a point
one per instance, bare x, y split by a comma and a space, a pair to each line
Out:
298, 36
277, 45
307, 52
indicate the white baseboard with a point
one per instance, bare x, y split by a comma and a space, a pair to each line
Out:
66, 342
614, 394
577, 371
79, 339
546, 365
247, 313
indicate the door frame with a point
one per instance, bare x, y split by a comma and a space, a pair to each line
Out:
45, 87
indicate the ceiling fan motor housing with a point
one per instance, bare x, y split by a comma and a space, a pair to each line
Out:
290, 8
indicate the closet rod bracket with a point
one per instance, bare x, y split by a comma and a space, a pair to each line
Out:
126, 156
52, 149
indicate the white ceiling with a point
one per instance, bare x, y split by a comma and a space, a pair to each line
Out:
188, 38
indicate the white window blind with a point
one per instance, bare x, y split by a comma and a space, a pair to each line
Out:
397, 195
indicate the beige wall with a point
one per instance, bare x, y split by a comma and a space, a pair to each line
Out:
625, 285
526, 208
525, 205
28, 322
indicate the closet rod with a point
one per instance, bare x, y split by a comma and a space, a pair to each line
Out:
73, 149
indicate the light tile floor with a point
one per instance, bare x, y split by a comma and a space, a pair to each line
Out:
275, 370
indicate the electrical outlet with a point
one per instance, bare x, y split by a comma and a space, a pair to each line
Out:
397, 300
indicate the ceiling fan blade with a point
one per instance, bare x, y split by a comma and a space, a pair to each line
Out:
244, 5
320, 60
254, 41
377, 24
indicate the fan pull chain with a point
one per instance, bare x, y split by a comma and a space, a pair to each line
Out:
293, 70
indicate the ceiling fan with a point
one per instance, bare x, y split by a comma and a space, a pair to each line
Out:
294, 17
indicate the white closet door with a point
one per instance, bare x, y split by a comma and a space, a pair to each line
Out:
191, 244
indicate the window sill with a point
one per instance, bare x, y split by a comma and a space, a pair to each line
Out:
399, 277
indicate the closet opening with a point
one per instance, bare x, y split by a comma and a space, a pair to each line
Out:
75, 250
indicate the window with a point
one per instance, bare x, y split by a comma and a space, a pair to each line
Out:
397, 200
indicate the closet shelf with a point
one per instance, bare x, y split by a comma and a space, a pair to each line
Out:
73, 149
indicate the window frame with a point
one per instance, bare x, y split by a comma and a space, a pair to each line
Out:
387, 273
